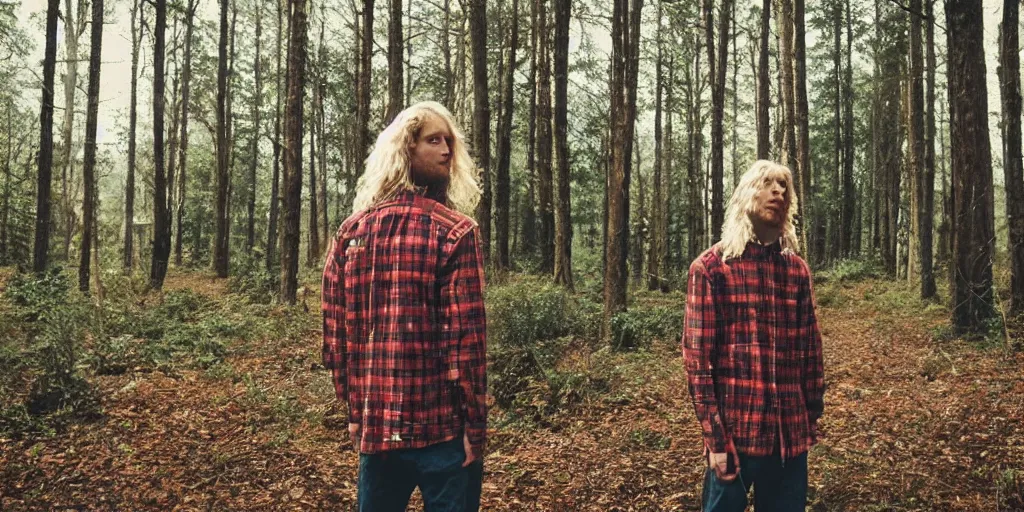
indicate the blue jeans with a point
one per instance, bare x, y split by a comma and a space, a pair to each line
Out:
777, 487
387, 479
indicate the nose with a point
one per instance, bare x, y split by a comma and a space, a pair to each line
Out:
446, 149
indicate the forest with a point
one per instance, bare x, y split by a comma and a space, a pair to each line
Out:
169, 192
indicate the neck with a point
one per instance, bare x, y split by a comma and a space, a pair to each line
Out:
766, 234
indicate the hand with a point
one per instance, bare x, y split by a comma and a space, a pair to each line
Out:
719, 462
355, 434
471, 455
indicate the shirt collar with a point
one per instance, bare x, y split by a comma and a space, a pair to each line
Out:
756, 250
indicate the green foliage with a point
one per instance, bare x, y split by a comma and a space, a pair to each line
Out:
851, 270
637, 327
250, 278
41, 352
532, 322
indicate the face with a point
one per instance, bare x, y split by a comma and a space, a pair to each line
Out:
430, 157
771, 204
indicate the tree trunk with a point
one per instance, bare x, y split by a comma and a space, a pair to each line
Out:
41, 246
88, 170
625, 63
74, 25
275, 179
763, 93
293, 150
501, 203
446, 50
973, 217
5, 211
363, 86
220, 257
481, 117
1009, 66
636, 253
849, 236
924, 175
161, 227
186, 81
313, 249
716, 77
254, 147
671, 201
321, 120
529, 244
545, 174
563, 212
655, 255
395, 76
786, 90
129, 187
803, 143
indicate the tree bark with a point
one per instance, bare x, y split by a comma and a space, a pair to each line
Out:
716, 77
74, 25
313, 249
803, 143
395, 76
503, 185
625, 63
275, 179
129, 187
849, 237
161, 226
924, 175
1009, 66
481, 116
545, 173
529, 244
973, 217
254, 145
655, 256
88, 170
763, 93
220, 256
293, 150
186, 81
563, 210
363, 87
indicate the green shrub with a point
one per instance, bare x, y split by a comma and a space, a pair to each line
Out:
851, 270
250, 278
637, 327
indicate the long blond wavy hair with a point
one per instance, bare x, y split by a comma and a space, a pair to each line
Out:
738, 228
388, 171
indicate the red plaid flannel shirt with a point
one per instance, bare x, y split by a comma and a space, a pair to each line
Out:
404, 326
753, 351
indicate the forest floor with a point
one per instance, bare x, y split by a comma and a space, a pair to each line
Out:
914, 420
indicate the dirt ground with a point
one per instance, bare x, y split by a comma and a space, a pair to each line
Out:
911, 423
